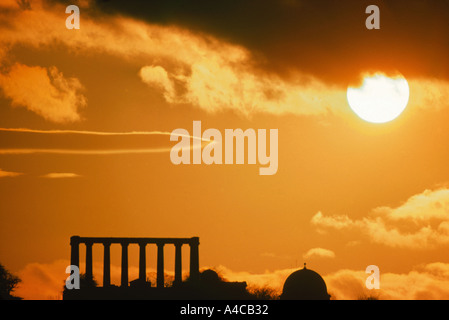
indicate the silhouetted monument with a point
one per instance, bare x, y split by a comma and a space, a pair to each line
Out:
194, 242
304, 284
209, 286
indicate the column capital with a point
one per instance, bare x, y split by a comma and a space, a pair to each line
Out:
194, 241
178, 243
74, 240
75, 251
88, 242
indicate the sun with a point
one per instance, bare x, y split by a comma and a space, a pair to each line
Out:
380, 98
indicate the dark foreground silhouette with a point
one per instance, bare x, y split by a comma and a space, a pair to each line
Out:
303, 284
208, 287
8, 283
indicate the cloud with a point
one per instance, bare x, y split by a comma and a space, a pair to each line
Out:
429, 93
272, 279
222, 68
46, 281
94, 151
4, 174
157, 76
335, 221
84, 151
60, 175
320, 253
44, 91
428, 281
420, 222
85, 132
425, 206
218, 84
42, 281
309, 36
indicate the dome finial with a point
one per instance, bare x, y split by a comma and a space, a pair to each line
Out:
305, 265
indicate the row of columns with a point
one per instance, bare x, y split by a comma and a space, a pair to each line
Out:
194, 259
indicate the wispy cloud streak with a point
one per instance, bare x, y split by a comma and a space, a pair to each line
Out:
110, 151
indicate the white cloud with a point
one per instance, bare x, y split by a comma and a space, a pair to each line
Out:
429, 93
335, 221
429, 281
210, 73
103, 151
44, 91
319, 252
158, 76
60, 175
425, 206
421, 222
4, 174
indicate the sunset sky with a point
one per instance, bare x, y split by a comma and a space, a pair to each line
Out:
347, 194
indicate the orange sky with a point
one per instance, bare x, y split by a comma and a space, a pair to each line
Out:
353, 193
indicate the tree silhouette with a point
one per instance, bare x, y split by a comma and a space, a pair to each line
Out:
85, 282
8, 282
368, 297
263, 293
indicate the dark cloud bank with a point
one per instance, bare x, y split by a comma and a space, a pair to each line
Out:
324, 38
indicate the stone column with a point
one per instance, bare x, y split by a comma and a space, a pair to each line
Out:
160, 265
75, 251
124, 282
178, 263
89, 274
142, 262
107, 265
194, 259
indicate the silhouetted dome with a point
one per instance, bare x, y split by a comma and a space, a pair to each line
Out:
305, 284
210, 276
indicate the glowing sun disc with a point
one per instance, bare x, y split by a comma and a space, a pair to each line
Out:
380, 98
